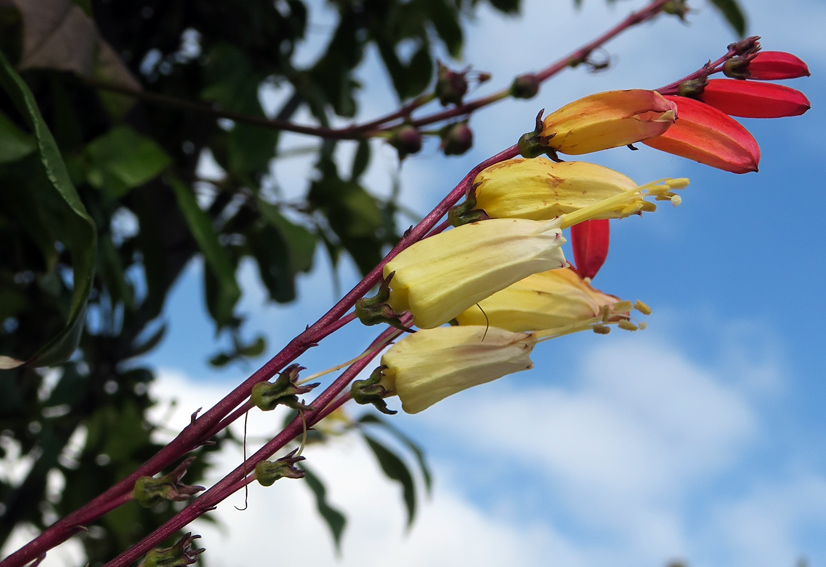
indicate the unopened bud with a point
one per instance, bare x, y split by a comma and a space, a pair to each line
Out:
525, 86
407, 140
456, 139
746, 46
450, 85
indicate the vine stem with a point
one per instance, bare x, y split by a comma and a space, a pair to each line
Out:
706, 70
376, 126
202, 428
239, 477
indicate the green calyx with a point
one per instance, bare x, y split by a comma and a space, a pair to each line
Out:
370, 391
375, 310
182, 553
267, 472
266, 396
466, 212
149, 491
534, 144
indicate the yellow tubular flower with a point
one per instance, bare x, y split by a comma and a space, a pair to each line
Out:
548, 301
608, 120
541, 189
430, 365
441, 276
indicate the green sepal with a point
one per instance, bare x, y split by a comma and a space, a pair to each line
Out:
370, 391
149, 491
182, 553
267, 472
266, 396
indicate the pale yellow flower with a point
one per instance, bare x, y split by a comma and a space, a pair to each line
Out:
432, 364
541, 189
554, 301
441, 276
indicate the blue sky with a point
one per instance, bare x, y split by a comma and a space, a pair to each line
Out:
701, 438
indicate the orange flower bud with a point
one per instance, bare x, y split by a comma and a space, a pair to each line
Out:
754, 100
608, 120
709, 136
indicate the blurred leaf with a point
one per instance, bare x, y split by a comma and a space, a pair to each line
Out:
76, 229
122, 159
395, 469
57, 34
151, 342
255, 348
335, 520
300, 241
733, 14
419, 71
372, 419
445, 18
14, 143
70, 389
216, 258
361, 160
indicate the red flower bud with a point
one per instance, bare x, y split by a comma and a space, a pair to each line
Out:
754, 100
590, 242
704, 134
773, 65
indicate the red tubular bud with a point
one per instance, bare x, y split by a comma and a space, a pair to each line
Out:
754, 100
706, 135
590, 243
775, 65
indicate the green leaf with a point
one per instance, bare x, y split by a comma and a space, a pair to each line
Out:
300, 241
445, 18
419, 71
361, 160
72, 223
733, 14
14, 144
216, 258
372, 419
395, 469
335, 519
122, 159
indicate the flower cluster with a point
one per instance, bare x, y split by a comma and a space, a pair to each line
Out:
706, 131
500, 278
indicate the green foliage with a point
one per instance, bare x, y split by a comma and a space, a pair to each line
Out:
733, 14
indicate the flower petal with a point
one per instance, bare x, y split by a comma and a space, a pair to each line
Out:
608, 120
754, 100
590, 243
707, 135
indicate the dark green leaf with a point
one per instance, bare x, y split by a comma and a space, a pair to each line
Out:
733, 14
122, 159
419, 71
372, 419
361, 160
150, 343
445, 18
335, 519
300, 241
395, 469
255, 348
76, 229
216, 258
14, 144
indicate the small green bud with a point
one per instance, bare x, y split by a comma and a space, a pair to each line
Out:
450, 85
525, 86
456, 139
407, 140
